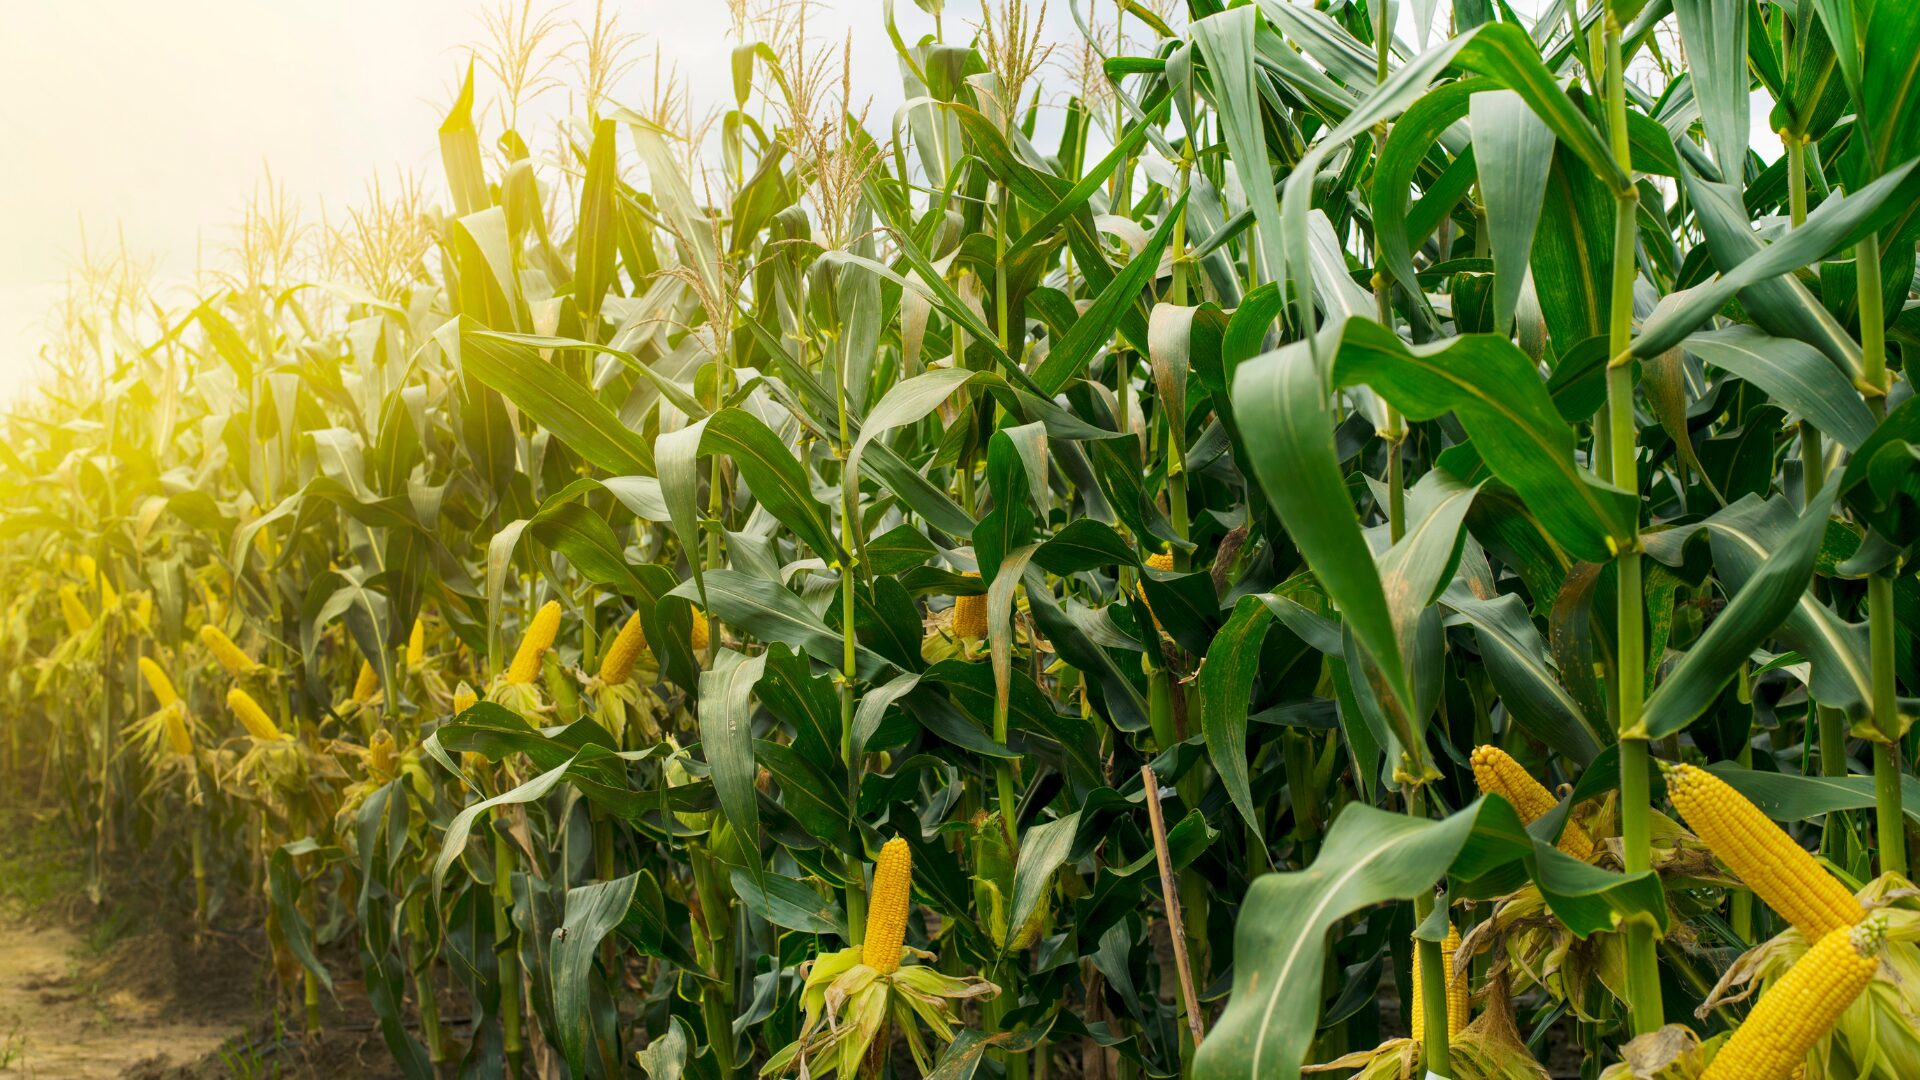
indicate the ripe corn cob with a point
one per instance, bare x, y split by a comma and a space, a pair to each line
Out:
464, 698
970, 613
417, 641
177, 735
252, 716
535, 643
1761, 854
382, 753
1459, 999
168, 698
157, 681
617, 666
698, 638
1498, 774
368, 683
1163, 562
1803, 1005
78, 621
887, 910
231, 657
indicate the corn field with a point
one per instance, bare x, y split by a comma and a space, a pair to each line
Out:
1369, 554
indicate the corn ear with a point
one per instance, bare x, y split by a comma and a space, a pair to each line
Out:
887, 910
252, 716
231, 656
616, 667
1498, 773
78, 621
1761, 854
970, 614
1459, 999
368, 684
698, 638
1802, 1006
178, 738
157, 681
535, 643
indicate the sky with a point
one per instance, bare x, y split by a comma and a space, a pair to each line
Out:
151, 124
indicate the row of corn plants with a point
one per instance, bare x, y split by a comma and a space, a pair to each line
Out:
1354, 553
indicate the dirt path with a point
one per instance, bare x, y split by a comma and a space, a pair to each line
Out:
56, 1021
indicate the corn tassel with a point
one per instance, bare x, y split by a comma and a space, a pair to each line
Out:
970, 614
1498, 774
535, 643
157, 681
368, 684
252, 716
1459, 999
887, 910
616, 667
231, 657
1802, 1006
78, 621
1761, 854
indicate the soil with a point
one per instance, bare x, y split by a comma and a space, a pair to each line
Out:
64, 1016
124, 986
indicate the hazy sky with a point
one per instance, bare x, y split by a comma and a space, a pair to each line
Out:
155, 121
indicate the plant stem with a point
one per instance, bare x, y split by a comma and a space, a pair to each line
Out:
1886, 751
1643, 971
428, 1005
506, 946
1880, 616
849, 654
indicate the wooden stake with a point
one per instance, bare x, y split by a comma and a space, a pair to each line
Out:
1171, 895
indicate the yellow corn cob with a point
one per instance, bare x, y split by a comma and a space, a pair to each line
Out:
970, 614
535, 643
1802, 1006
382, 753
417, 641
157, 681
252, 716
177, 735
224, 650
1761, 854
464, 698
1162, 561
887, 910
698, 638
617, 666
1498, 774
1459, 1000
78, 621
368, 683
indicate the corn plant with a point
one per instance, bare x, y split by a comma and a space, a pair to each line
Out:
1182, 551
